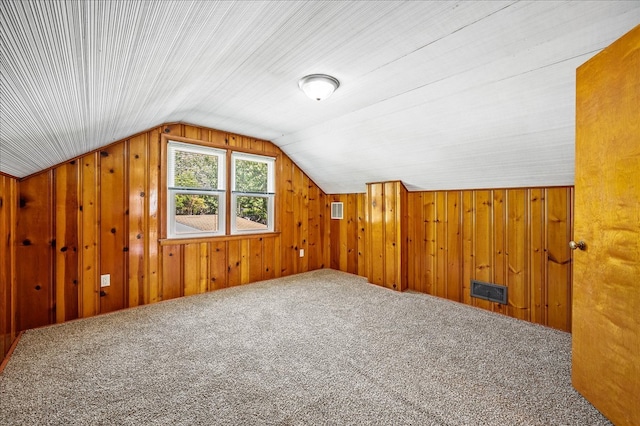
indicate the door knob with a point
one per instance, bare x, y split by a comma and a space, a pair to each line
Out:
579, 245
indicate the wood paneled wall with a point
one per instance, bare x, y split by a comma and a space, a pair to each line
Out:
513, 237
8, 204
101, 214
348, 238
387, 234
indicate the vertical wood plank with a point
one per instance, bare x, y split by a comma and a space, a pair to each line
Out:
234, 257
277, 264
411, 241
298, 207
255, 255
440, 284
217, 265
8, 217
429, 247
90, 236
192, 132
191, 269
287, 217
113, 226
537, 275
34, 253
336, 235
417, 222
376, 233
203, 278
390, 235
499, 245
137, 244
217, 137
559, 258
174, 130
454, 246
234, 140
313, 243
351, 236
483, 242
268, 258
152, 233
257, 145
244, 262
362, 234
172, 274
325, 229
403, 226
468, 244
66, 236
517, 259
303, 265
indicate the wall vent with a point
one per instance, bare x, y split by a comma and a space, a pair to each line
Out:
336, 210
492, 292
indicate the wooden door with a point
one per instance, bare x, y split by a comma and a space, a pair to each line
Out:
606, 287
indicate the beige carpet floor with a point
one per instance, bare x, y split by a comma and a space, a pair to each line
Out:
322, 347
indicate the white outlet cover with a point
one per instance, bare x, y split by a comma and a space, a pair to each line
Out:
301, 252
105, 280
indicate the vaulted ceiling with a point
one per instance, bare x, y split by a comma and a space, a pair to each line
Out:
440, 95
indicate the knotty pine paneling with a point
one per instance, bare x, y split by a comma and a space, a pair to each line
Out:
66, 237
512, 237
102, 214
387, 233
34, 252
8, 205
88, 236
113, 226
344, 234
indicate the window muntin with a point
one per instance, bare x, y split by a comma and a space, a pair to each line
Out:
195, 190
253, 191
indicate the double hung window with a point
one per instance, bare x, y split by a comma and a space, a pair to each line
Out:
195, 190
253, 192
199, 189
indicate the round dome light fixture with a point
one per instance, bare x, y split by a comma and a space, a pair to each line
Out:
318, 86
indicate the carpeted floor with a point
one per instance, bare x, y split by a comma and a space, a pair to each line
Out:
322, 347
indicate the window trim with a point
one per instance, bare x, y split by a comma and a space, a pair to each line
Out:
226, 233
269, 195
172, 190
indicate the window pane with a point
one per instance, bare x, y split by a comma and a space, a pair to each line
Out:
196, 213
252, 213
251, 176
195, 170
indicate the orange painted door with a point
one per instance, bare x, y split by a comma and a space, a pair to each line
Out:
606, 286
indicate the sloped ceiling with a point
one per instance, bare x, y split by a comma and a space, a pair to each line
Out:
440, 95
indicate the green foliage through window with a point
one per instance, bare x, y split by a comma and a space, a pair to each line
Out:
251, 176
254, 209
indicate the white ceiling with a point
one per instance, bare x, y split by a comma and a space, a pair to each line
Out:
440, 95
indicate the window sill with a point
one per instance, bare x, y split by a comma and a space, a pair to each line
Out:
196, 240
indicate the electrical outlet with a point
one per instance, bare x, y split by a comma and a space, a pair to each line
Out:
105, 280
301, 252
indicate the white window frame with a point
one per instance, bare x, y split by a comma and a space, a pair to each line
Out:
172, 190
269, 195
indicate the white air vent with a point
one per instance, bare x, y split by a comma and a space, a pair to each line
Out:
336, 210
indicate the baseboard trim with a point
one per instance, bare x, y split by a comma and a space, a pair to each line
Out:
5, 361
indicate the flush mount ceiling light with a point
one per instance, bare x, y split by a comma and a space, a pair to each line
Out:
318, 86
